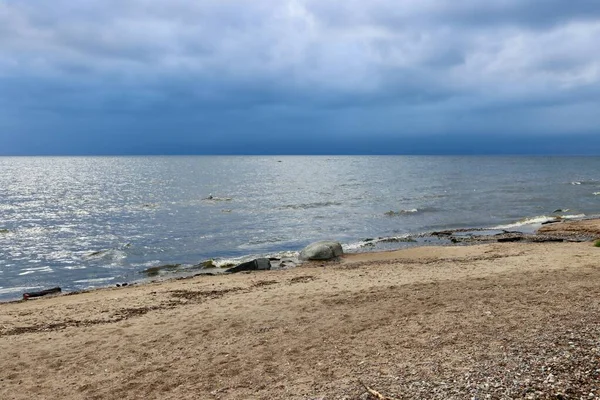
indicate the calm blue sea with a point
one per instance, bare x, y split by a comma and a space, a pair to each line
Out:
80, 222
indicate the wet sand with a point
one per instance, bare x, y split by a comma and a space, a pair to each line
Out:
497, 320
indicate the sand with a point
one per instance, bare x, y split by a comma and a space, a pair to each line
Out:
500, 321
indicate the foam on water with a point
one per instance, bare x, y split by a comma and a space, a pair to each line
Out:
35, 270
411, 211
17, 289
362, 244
95, 280
536, 221
585, 182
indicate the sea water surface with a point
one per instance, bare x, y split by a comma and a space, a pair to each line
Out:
80, 222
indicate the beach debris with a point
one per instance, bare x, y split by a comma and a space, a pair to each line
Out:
323, 250
510, 239
41, 293
552, 221
259, 264
375, 393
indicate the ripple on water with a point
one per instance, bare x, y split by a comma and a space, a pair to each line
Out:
305, 206
95, 280
29, 271
17, 289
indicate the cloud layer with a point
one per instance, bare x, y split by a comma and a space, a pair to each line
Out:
79, 76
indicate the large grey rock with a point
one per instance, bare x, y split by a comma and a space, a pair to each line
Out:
325, 250
259, 264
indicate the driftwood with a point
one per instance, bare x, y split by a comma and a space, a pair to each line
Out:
41, 293
375, 393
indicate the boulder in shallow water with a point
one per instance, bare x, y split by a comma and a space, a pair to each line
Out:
324, 250
260, 264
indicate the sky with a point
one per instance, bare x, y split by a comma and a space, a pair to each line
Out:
299, 77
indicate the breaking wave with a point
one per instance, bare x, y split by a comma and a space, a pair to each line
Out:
539, 220
585, 182
372, 242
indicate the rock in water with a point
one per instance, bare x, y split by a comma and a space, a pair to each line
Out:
325, 250
260, 264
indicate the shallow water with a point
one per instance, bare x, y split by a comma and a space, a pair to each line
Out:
80, 222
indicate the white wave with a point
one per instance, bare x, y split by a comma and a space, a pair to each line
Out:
596, 193
18, 289
539, 220
354, 246
228, 262
577, 216
283, 254
96, 280
75, 267
586, 182
33, 270
363, 243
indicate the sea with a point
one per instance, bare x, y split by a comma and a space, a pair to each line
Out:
85, 222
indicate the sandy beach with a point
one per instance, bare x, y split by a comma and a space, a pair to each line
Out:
496, 320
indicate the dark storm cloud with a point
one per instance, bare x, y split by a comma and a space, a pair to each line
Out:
285, 69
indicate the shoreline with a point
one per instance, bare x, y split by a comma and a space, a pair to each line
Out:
505, 320
549, 231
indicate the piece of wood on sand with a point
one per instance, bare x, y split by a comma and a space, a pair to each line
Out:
375, 393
